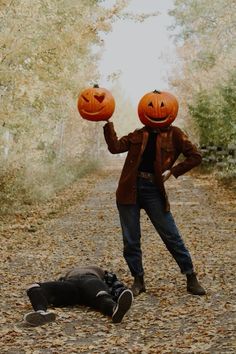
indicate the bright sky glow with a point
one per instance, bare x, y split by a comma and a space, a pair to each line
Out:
142, 52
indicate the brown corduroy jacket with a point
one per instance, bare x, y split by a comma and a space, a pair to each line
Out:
173, 142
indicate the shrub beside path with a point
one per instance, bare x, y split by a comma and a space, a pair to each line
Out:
81, 226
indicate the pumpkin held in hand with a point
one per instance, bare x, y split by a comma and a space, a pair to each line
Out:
158, 109
96, 104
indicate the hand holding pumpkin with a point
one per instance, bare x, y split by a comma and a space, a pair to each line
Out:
96, 104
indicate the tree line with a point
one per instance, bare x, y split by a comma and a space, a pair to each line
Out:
49, 52
206, 82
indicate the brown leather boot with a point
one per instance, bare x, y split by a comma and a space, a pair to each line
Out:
138, 286
193, 285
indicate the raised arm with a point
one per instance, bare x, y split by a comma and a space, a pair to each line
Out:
115, 145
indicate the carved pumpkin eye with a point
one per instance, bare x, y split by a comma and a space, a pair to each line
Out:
150, 104
99, 98
85, 98
162, 104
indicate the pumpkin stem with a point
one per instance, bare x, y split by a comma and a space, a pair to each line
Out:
96, 86
155, 91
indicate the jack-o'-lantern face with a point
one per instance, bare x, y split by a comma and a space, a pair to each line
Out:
158, 109
96, 104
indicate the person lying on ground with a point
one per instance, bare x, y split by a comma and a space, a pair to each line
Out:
88, 285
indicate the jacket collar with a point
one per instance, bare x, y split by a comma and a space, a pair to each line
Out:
157, 130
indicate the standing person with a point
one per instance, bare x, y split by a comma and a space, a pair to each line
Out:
89, 285
152, 153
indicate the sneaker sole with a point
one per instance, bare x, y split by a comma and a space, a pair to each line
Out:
37, 319
123, 305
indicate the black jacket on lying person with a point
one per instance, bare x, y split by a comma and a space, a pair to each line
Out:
91, 286
110, 279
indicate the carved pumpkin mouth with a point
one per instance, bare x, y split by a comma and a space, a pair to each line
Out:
92, 113
157, 119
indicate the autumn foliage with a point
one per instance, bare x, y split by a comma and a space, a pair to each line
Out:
49, 53
206, 83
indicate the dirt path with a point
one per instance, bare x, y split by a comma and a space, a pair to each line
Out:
163, 320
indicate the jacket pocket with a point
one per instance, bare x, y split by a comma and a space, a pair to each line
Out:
167, 144
167, 148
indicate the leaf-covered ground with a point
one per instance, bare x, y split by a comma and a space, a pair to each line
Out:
81, 226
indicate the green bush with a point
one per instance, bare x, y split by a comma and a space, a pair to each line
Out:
215, 114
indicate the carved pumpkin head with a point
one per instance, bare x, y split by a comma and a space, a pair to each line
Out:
96, 104
158, 109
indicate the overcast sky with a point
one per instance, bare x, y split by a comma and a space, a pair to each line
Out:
143, 52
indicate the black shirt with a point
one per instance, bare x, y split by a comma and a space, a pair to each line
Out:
149, 154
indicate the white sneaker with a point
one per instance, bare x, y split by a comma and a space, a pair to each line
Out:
124, 303
39, 318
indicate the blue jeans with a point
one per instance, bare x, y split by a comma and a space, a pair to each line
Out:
149, 199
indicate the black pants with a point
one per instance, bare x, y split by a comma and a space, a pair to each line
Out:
87, 290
